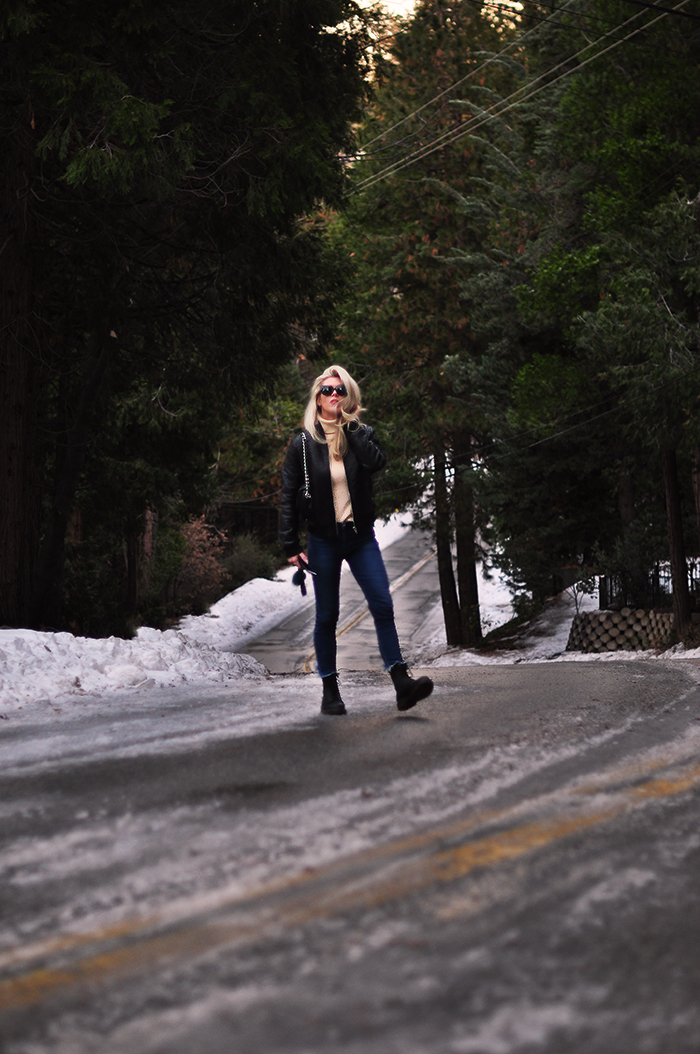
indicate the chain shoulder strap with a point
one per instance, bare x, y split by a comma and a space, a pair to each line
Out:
307, 489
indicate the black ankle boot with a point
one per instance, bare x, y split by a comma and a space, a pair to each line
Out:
331, 702
409, 691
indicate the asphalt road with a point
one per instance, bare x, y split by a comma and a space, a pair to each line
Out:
412, 569
511, 867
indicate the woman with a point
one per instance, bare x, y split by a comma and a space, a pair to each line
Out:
327, 480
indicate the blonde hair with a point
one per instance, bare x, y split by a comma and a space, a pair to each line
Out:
350, 410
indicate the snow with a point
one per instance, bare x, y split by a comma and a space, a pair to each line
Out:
543, 641
38, 667
46, 673
259, 605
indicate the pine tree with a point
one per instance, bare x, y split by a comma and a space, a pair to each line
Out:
156, 162
408, 314
589, 379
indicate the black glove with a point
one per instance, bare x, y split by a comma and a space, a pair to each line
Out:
298, 578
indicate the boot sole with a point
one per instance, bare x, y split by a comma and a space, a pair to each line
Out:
334, 711
421, 691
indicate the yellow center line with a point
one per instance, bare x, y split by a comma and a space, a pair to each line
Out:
367, 879
363, 612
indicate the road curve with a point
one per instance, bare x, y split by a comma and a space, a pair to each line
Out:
510, 868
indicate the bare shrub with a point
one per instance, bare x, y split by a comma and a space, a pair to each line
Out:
202, 578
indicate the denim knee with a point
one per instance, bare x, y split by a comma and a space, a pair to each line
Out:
382, 608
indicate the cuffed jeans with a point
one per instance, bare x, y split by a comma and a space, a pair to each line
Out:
365, 561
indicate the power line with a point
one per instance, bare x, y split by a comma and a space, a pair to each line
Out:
363, 153
496, 6
436, 143
484, 448
620, 408
457, 83
449, 137
666, 10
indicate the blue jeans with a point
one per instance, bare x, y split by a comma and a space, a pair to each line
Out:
365, 561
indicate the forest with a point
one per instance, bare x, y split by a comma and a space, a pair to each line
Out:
489, 212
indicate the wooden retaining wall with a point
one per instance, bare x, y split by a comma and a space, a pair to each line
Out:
624, 630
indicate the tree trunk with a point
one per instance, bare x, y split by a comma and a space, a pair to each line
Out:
695, 461
147, 550
443, 540
465, 534
132, 574
625, 500
22, 372
47, 602
679, 569
635, 565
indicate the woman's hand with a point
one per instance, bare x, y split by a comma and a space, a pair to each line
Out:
299, 560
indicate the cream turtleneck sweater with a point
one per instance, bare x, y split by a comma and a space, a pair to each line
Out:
341, 493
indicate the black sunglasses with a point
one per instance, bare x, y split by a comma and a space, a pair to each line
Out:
328, 389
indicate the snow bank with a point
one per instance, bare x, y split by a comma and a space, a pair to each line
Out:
260, 604
204, 653
51, 667
246, 613
544, 640
39, 669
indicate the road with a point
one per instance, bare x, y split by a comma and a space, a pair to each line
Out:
412, 569
511, 867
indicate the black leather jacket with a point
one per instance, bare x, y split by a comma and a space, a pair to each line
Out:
364, 457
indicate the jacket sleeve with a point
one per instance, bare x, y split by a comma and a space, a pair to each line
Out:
365, 446
292, 478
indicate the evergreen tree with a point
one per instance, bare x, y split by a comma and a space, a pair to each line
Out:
408, 313
156, 160
589, 380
